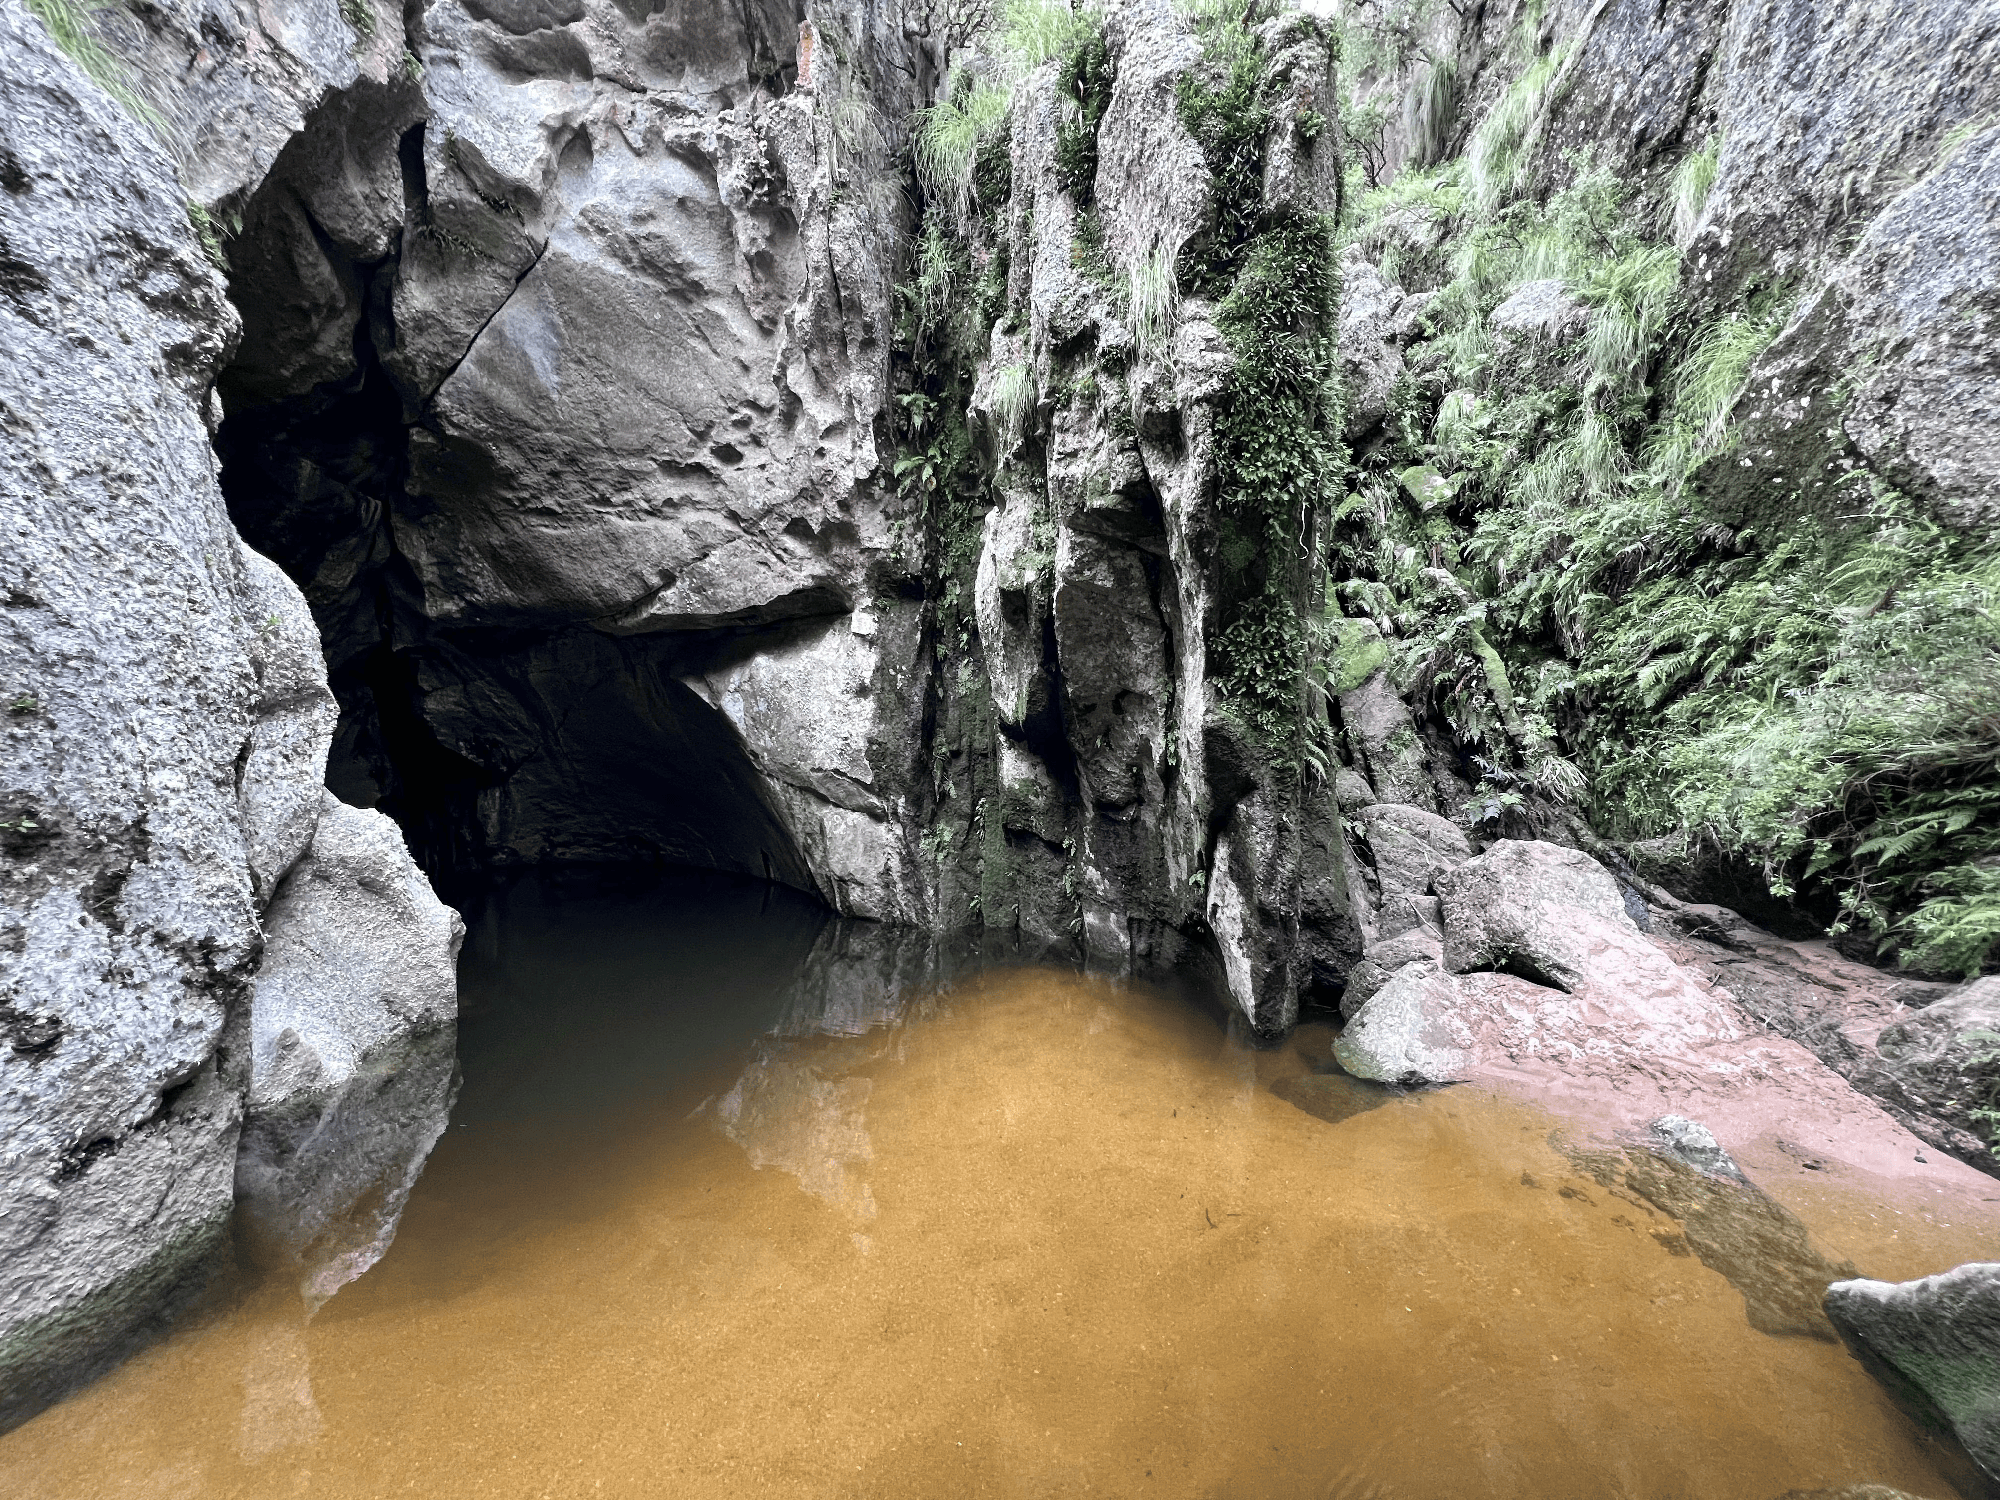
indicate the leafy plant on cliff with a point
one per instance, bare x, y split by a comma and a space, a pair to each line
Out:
1815, 694
1278, 453
73, 30
948, 138
1084, 81
1028, 33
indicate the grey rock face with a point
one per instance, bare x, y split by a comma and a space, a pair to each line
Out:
1939, 1337
811, 710
1942, 1063
1784, 191
1412, 848
1537, 904
167, 723
234, 85
127, 902
577, 328
1908, 313
1371, 356
646, 431
1544, 311
1385, 741
352, 1051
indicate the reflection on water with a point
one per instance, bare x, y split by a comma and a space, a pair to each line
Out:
737, 1201
1761, 1247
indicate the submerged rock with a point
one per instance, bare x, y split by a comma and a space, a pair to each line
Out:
1693, 1144
352, 1052
1734, 1228
1937, 1339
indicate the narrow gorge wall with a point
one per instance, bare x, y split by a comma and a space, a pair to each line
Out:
1161, 487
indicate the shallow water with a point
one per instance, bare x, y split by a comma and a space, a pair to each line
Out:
736, 1201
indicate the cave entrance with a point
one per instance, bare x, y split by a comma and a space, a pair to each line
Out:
544, 742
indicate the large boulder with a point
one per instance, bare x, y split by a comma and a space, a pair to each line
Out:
1423, 1026
353, 1051
1412, 848
1937, 1339
1540, 965
1539, 908
130, 616
167, 725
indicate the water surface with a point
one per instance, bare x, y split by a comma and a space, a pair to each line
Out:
740, 1202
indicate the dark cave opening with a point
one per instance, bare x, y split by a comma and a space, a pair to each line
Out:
538, 743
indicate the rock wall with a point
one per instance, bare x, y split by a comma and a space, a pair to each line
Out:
569, 364
167, 723
560, 396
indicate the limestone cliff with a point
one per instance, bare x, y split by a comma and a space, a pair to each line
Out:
1161, 481
167, 727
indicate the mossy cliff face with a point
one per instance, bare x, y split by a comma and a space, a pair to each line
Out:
1158, 480
1152, 436
1646, 505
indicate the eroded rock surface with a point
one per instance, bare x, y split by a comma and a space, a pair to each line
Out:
167, 727
1937, 1339
353, 1057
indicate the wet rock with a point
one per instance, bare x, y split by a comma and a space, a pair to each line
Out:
1541, 908
1332, 1097
1937, 1340
1112, 647
1385, 741
352, 1051
1943, 1063
1425, 1026
164, 725
1412, 848
1371, 354
1733, 1228
1693, 1144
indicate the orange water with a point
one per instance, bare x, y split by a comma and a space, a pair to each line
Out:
1048, 1236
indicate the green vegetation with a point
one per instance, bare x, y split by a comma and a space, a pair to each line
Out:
1084, 79
1812, 690
70, 24
209, 233
1985, 1111
1279, 456
950, 137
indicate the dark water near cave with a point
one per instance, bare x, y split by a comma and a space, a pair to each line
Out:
737, 1199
